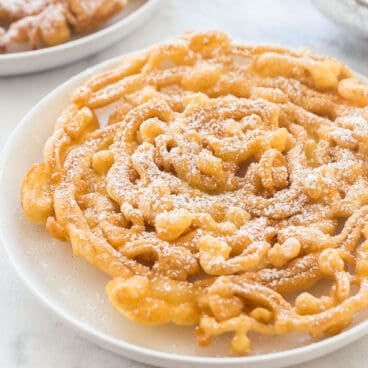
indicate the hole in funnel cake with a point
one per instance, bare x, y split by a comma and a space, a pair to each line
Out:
243, 167
218, 190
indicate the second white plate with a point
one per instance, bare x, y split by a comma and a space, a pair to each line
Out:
136, 12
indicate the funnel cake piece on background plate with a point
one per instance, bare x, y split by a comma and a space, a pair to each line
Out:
43, 23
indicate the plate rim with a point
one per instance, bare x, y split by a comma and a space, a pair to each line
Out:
130, 350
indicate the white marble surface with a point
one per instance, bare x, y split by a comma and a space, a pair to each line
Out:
30, 335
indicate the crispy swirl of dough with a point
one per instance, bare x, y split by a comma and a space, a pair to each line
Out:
224, 178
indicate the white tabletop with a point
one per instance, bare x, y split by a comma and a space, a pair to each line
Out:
33, 337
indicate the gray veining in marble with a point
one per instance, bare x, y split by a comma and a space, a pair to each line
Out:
32, 337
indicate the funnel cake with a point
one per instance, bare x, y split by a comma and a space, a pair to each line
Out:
226, 182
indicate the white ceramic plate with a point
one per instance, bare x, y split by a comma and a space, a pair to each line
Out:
74, 290
135, 13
